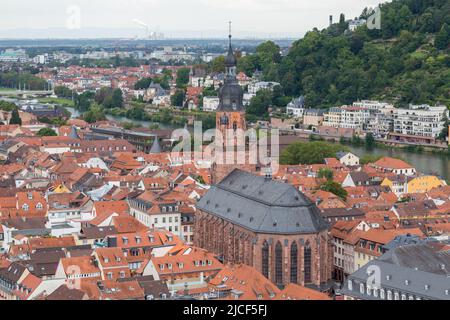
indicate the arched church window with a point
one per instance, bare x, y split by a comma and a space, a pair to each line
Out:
265, 259
278, 264
294, 262
307, 263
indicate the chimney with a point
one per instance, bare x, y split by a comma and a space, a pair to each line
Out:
331, 20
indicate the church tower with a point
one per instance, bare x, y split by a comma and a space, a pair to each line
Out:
230, 121
230, 114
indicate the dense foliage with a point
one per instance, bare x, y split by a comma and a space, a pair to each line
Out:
22, 80
46, 132
309, 153
335, 188
15, 117
407, 61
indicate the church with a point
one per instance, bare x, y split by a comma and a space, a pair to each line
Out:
251, 219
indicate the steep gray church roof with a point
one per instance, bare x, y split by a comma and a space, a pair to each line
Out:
73, 133
262, 205
156, 147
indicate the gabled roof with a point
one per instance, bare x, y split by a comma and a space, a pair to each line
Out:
392, 163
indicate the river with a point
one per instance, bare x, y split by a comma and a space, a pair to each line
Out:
427, 163
75, 114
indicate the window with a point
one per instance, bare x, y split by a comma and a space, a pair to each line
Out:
25, 207
294, 262
350, 284
265, 259
307, 263
278, 264
110, 275
382, 293
361, 288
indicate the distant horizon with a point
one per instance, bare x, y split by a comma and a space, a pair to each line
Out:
127, 33
193, 19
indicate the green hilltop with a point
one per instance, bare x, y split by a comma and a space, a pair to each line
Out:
406, 61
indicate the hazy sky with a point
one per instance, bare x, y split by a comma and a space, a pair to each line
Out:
91, 18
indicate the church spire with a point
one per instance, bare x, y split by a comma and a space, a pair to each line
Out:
230, 60
229, 33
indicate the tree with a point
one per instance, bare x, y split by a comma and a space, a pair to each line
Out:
101, 94
335, 188
183, 77
310, 152
356, 140
46, 132
15, 117
83, 101
94, 114
442, 39
7, 106
177, 99
218, 64
260, 103
369, 140
143, 83
117, 98
325, 173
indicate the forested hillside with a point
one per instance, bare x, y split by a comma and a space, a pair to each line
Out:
406, 61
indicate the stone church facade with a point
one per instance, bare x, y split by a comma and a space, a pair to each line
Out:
268, 225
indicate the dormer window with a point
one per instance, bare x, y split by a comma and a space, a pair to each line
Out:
25, 207
39, 206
